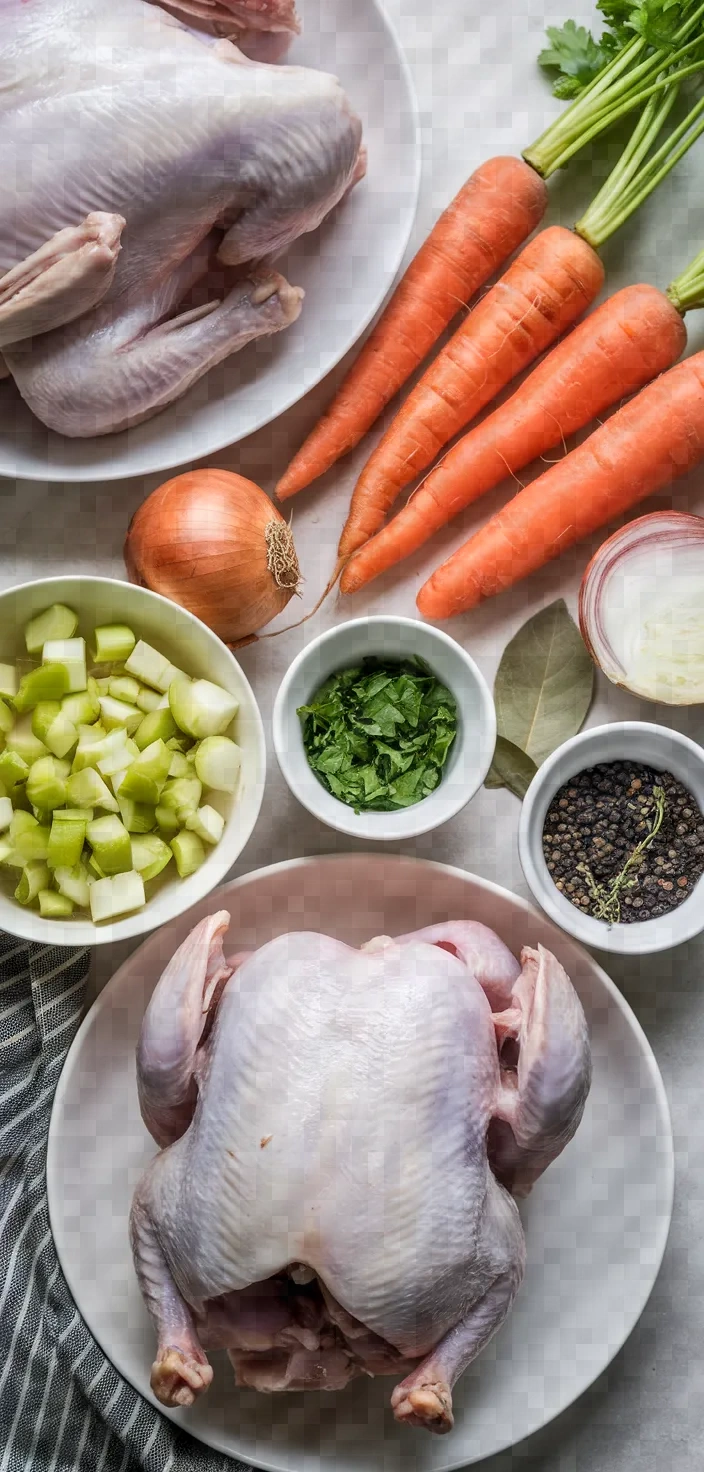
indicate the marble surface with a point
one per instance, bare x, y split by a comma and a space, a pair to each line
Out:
648, 1410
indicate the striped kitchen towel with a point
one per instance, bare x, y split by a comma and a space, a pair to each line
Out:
63, 1408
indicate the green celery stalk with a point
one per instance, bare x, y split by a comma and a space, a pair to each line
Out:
87, 789
35, 876
83, 708
157, 725
115, 713
167, 821
22, 740
74, 884
7, 718
207, 823
183, 796
62, 736
65, 843
113, 643
33, 843
125, 687
138, 817
188, 852
201, 708
13, 768
218, 762
53, 906
47, 682
43, 715
116, 896
46, 783
72, 654
111, 845
147, 700
57, 622
150, 855
150, 667
148, 773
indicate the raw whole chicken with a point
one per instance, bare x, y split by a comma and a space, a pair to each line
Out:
343, 1133
150, 171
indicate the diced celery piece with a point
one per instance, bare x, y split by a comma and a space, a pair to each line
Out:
110, 843
151, 667
61, 736
9, 857
188, 852
72, 654
218, 762
118, 713
74, 884
20, 823
138, 817
83, 708
7, 718
103, 684
74, 815
53, 906
22, 740
50, 681
13, 768
5, 813
113, 752
158, 725
42, 717
207, 823
167, 821
117, 779
147, 774
147, 700
65, 842
46, 783
117, 896
201, 708
150, 855
33, 843
180, 765
57, 622
88, 749
125, 687
183, 796
35, 876
87, 789
113, 642
9, 681
94, 868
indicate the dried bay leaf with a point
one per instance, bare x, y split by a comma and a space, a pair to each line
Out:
510, 768
544, 684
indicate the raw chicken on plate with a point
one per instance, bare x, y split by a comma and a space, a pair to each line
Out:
343, 1135
153, 165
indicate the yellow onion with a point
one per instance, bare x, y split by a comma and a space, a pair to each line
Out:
213, 542
641, 607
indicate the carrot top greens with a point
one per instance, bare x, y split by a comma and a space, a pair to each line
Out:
378, 735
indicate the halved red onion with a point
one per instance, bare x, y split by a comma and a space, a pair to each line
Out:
641, 607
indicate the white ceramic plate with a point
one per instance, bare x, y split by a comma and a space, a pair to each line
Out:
596, 1225
346, 269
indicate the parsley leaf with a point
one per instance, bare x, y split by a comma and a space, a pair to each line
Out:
577, 57
379, 734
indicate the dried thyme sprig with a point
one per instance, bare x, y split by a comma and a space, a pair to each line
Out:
606, 897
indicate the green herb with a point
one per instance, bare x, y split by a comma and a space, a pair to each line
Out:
576, 56
378, 735
607, 897
542, 692
511, 768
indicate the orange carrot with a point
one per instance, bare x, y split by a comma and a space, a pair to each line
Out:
628, 340
655, 437
553, 280
494, 212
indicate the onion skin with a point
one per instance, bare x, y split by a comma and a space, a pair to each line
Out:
660, 526
213, 542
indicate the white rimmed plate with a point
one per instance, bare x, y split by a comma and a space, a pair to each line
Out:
596, 1224
346, 269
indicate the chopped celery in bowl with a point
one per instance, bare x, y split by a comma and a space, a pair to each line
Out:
132, 760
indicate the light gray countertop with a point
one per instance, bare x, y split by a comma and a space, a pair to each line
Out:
647, 1412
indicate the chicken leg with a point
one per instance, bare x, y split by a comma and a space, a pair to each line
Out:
181, 1370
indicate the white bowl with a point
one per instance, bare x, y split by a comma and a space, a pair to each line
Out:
637, 741
346, 269
393, 638
192, 647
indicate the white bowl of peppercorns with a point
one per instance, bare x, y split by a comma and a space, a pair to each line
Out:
611, 837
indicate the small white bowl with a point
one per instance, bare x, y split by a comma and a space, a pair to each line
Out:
191, 647
390, 638
638, 741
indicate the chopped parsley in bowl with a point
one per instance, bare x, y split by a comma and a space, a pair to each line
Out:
377, 735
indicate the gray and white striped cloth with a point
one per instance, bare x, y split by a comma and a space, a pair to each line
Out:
63, 1408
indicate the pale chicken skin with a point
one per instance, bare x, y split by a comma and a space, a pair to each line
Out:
150, 173
343, 1134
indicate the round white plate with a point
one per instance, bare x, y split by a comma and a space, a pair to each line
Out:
596, 1224
346, 269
